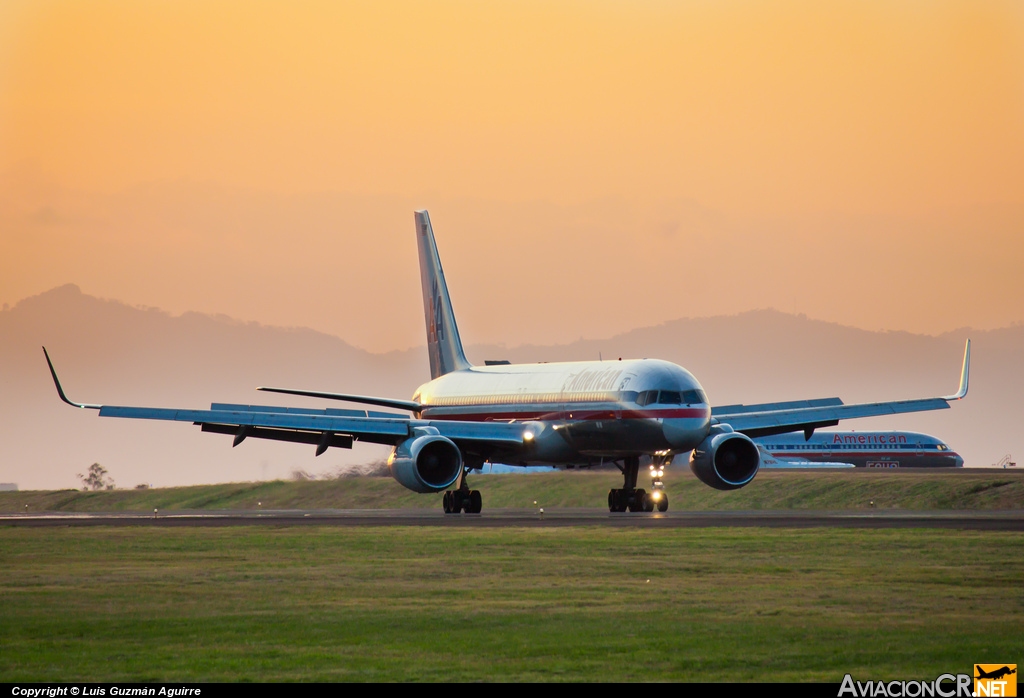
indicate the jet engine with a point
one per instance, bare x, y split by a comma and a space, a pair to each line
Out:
426, 463
725, 460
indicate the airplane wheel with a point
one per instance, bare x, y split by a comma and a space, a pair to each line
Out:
663, 503
476, 502
636, 502
648, 503
452, 502
613, 500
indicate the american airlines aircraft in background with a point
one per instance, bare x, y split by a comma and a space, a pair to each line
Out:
578, 413
865, 449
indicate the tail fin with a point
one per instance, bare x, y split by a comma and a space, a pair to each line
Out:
443, 343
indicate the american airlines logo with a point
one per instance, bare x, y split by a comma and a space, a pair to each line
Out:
592, 380
869, 439
437, 328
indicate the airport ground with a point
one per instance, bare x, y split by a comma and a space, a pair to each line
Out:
573, 603
434, 604
964, 488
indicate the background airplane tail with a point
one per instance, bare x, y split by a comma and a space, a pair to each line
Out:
443, 343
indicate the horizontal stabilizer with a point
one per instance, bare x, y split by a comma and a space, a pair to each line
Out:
362, 399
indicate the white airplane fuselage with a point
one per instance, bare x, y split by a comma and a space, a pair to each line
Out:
578, 412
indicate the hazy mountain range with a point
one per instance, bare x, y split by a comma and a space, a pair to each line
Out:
110, 352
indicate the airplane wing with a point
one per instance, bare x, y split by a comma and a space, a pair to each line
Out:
807, 415
326, 427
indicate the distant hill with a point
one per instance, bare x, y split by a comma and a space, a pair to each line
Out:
107, 351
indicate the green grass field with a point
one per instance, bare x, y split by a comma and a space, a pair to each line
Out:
575, 604
770, 490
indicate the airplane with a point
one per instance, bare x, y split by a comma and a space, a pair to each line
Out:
573, 413
866, 449
994, 674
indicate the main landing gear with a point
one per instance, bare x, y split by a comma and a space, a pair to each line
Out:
467, 500
633, 498
462, 499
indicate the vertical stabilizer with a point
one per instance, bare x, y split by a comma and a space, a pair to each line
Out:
443, 343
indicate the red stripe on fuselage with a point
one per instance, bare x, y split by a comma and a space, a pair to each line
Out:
881, 455
571, 413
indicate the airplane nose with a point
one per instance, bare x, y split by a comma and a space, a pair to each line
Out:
684, 434
959, 462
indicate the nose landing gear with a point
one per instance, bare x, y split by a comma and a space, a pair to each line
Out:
658, 498
635, 499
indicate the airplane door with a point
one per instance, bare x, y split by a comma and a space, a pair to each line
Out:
620, 403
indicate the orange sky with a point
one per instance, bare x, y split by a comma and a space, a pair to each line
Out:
590, 166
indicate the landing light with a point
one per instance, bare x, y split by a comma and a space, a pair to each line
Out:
527, 436
655, 495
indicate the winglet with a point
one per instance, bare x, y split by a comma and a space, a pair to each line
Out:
60, 390
965, 374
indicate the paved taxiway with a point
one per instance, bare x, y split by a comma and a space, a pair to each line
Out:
1012, 520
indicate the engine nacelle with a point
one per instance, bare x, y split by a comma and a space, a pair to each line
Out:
725, 460
426, 463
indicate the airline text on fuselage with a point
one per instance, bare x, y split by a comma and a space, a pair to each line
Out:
590, 380
869, 439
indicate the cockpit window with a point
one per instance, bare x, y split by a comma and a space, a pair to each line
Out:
691, 397
670, 397
647, 397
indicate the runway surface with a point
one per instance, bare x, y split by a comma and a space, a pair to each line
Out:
1012, 520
